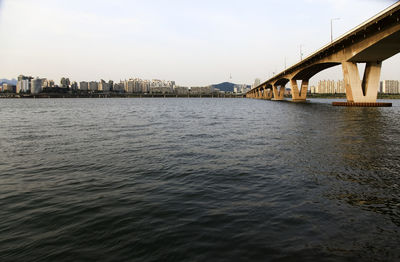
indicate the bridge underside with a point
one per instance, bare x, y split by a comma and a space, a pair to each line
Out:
380, 51
311, 71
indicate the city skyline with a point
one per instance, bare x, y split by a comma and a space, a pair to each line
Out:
196, 44
32, 85
29, 85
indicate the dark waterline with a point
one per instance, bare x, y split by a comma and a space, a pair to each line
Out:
198, 180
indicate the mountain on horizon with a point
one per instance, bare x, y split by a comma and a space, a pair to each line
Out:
12, 81
225, 86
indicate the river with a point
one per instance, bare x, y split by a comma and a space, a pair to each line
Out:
198, 180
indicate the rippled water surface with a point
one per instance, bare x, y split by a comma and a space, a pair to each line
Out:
198, 180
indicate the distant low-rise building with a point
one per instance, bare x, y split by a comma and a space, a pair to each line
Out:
9, 88
181, 90
205, 90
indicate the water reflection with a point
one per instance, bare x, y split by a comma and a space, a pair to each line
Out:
372, 182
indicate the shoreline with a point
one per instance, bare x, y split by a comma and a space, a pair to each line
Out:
116, 95
99, 95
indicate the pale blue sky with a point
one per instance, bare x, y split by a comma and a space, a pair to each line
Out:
191, 42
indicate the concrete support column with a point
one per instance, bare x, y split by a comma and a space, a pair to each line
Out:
299, 95
365, 90
278, 94
267, 94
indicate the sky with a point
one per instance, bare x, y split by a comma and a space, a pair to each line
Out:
194, 43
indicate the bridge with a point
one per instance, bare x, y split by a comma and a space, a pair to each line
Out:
370, 43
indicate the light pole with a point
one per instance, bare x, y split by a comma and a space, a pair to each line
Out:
333, 19
301, 52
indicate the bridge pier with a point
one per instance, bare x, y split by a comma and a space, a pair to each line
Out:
267, 94
365, 90
299, 96
278, 94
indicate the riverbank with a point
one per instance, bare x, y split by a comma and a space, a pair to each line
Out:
117, 95
343, 96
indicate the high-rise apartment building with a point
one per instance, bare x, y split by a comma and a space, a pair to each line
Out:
340, 87
329, 87
118, 87
103, 86
65, 82
36, 85
74, 86
93, 86
257, 82
84, 86
24, 84
389, 87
